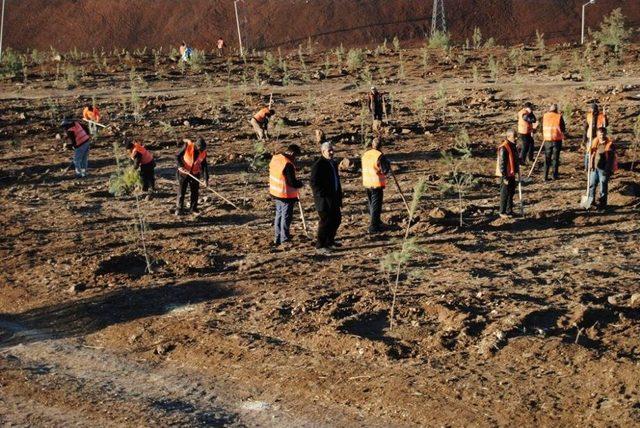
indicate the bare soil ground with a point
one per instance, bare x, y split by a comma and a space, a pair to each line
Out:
529, 321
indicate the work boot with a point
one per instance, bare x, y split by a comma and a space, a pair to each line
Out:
179, 211
323, 251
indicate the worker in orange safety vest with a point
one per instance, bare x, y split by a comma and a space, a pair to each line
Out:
507, 168
142, 158
79, 138
283, 188
553, 130
260, 122
375, 168
192, 162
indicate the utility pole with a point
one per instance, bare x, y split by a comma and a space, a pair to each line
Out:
1, 28
438, 21
583, 7
235, 5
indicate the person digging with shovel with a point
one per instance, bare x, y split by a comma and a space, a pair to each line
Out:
602, 165
507, 168
192, 163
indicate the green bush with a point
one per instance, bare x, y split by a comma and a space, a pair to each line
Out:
439, 39
355, 59
612, 31
124, 181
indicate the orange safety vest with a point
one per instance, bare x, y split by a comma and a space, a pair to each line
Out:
260, 115
91, 115
601, 121
79, 135
551, 126
193, 165
146, 154
524, 127
511, 170
372, 176
278, 185
608, 151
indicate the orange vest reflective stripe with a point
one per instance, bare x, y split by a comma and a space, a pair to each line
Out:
608, 146
511, 169
146, 154
91, 115
551, 127
193, 165
278, 185
600, 123
260, 115
524, 127
79, 134
372, 176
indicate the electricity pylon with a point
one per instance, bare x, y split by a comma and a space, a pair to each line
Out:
438, 21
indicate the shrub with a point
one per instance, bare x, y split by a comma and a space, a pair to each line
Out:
612, 31
539, 41
355, 59
197, 60
477, 38
490, 43
396, 43
556, 64
439, 39
457, 161
269, 63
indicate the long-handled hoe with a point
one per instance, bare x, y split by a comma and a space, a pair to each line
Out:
202, 183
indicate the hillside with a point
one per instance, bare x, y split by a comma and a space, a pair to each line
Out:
133, 24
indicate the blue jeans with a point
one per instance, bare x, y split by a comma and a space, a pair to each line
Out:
284, 217
81, 159
599, 176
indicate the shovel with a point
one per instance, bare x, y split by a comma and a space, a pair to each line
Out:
400, 191
304, 223
520, 195
528, 177
182, 171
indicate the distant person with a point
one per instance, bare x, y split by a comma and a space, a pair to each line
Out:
603, 159
143, 159
375, 168
91, 114
221, 46
192, 161
376, 107
527, 124
78, 136
591, 127
260, 123
507, 168
283, 188
185, 52
327, 195
553, 129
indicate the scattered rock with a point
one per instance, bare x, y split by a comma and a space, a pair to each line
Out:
346, 165
164, 348
405, 131
186, 123
634, 300
77, 288
629, 188
617, 299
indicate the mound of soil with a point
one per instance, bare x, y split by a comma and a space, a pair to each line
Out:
135, 24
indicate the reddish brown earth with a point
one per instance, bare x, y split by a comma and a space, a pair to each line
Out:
90, 24
529, 321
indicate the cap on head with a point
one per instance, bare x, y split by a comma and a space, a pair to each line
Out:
373, 89
603, 130
528, 105
66, 122
200, 144
593, 107
294, 149
553, 107
376, 143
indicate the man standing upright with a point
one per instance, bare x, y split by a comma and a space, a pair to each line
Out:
283, 187
192, 162
376, 107
553, 129
602, 157
527, 123
507, 168
375, 168
591, 127
327, 195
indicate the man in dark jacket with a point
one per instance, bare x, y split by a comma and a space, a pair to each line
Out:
192, 161
327, 195
507, 169
283, 187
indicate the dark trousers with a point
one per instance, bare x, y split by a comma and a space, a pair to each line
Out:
526, 148
282, 222
148, 177
328, 226
506, 195
185, 181
374, 199
552, 157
